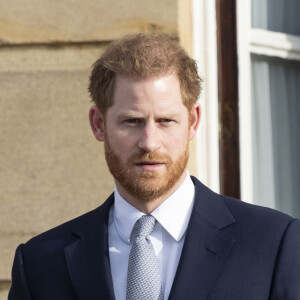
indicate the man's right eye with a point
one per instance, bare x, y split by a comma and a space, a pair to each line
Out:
132, 121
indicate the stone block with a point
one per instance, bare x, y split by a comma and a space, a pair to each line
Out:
38, 21
4, 288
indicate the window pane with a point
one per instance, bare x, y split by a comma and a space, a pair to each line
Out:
276, 133
277, 15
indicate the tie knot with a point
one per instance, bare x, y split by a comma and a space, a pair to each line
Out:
146, 225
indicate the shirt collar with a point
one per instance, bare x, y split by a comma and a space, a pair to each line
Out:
173, 214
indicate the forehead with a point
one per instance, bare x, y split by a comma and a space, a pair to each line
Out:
161, 92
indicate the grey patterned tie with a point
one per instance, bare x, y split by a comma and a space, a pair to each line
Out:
143, 278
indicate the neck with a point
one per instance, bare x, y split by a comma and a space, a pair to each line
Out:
147, 206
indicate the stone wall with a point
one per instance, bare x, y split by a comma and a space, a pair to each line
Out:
52, 169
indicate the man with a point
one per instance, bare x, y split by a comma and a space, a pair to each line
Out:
162, 234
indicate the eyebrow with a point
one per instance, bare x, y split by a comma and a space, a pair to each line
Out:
138, 115
130, 114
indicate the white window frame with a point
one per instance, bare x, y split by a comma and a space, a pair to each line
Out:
205, 53
263, 42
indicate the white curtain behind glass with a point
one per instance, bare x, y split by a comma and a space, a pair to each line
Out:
276, 133
277, 15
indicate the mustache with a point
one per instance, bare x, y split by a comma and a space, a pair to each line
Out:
149, 157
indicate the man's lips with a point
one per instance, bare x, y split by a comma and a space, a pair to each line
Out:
149, 165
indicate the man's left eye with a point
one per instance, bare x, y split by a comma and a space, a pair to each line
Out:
165, 120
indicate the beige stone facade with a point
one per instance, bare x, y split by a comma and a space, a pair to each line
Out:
51, 167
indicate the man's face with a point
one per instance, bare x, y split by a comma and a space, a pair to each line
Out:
146, 135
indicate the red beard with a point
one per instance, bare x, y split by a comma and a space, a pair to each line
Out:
142, 184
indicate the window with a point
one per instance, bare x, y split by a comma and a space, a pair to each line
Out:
269, 95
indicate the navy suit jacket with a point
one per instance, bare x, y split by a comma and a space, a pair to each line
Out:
232, 250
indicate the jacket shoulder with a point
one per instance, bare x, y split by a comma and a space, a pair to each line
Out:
255, 213
248, 217
67, 232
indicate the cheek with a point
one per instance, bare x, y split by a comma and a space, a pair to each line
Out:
122, 144
177, 142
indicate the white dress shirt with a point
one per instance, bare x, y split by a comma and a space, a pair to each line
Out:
167, 238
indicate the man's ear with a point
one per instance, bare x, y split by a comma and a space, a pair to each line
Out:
97, 122
195, 116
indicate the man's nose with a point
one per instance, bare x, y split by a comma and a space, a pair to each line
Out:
149, 138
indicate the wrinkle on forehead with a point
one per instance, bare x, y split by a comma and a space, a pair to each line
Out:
159, 96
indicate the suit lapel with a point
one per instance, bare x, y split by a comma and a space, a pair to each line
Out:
88, 258
207, 246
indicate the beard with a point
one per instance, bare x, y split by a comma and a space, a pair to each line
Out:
142, 184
